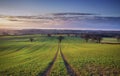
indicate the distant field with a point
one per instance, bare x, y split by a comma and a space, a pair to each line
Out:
112, 40
46, 57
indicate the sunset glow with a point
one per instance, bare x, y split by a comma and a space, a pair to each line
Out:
28, 14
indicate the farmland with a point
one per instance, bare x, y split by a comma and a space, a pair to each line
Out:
45, 56
21, 57
92, 59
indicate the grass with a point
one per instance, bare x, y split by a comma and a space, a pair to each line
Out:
25, 58
20, 57
92, 58
59, 67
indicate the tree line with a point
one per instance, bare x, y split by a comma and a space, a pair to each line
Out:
93, 37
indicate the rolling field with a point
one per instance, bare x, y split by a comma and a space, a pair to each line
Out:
19, 57
92, 59
46, 57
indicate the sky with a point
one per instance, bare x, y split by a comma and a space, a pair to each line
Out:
60, 14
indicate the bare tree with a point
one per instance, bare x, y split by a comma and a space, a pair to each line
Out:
96, 38
99, 38
118, 38
86, 37
49, 35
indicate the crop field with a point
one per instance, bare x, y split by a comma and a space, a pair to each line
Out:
45, 56
92, 59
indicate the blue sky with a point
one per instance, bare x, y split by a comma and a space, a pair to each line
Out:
24, 7
100, 8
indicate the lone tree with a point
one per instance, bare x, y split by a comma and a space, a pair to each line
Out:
31, 39
99, 38
60, 38
93, 38
49, 35
86, 37
96, 38
118, 38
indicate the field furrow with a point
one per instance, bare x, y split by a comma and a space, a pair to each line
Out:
59, 68
46, 57
28, 61
90, 59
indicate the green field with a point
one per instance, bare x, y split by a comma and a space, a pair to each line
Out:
20, 57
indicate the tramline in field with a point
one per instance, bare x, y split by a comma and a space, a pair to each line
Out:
73, 57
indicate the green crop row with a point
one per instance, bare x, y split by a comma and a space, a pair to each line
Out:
59, 68
25, 58
92, 58
20, 57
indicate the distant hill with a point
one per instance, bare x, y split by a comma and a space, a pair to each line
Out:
55, 31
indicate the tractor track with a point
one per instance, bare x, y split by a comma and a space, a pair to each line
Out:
70, 70
50, 65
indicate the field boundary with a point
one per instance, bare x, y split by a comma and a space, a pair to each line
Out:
110, 43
